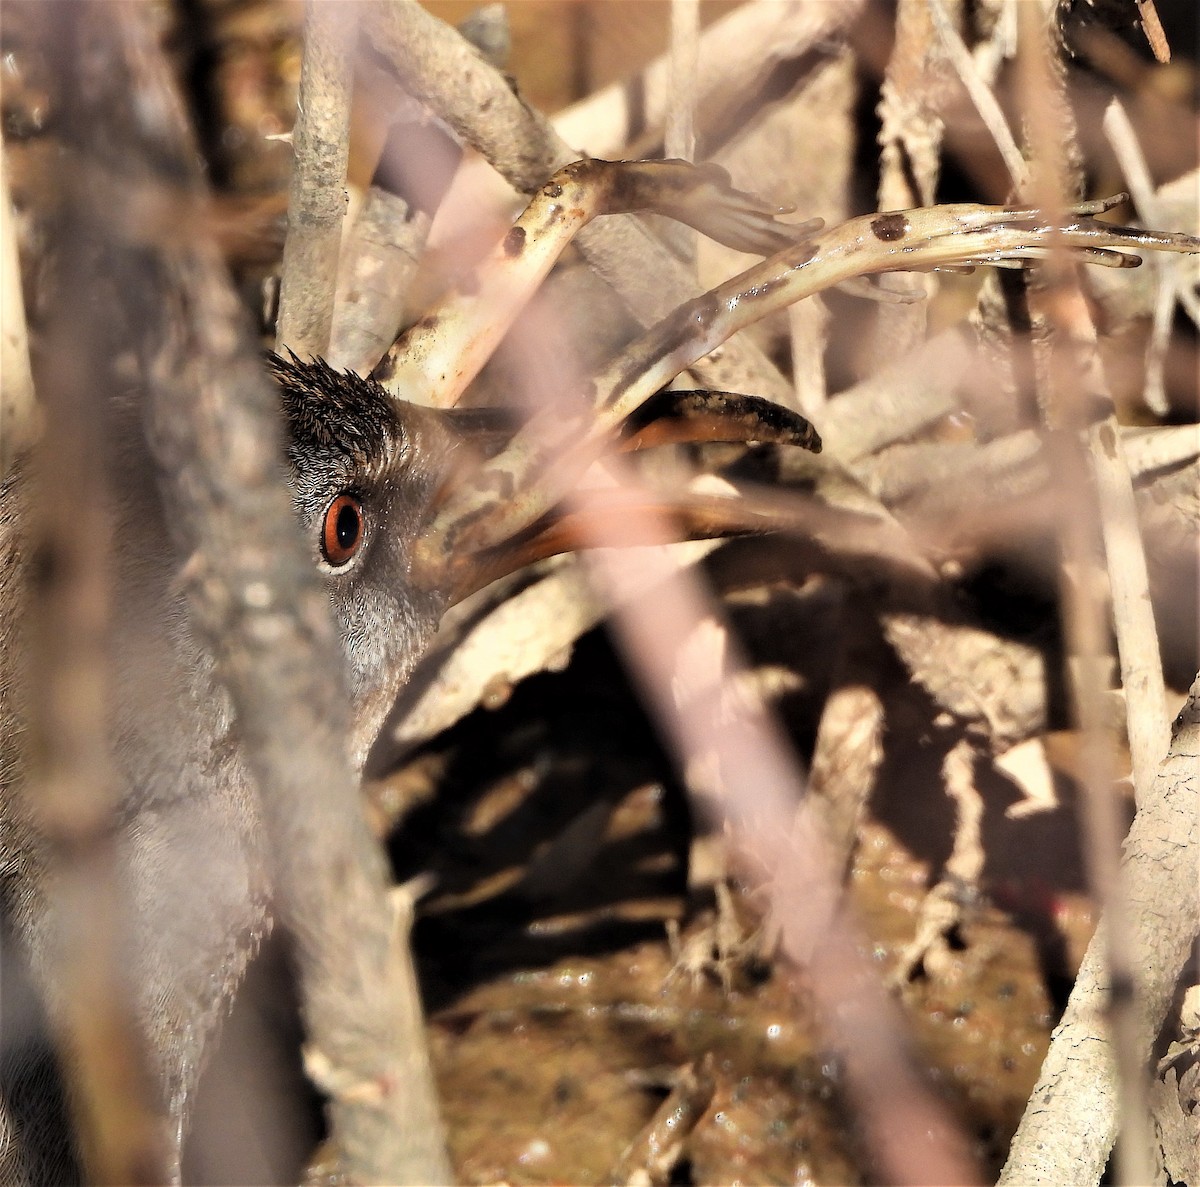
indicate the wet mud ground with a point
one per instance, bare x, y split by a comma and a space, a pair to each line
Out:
572, 974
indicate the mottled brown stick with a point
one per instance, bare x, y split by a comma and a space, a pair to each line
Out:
120, 1119
257, 603
317, 197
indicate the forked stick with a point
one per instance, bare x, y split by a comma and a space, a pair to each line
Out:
440, 355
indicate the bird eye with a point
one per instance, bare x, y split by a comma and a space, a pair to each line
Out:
342, 530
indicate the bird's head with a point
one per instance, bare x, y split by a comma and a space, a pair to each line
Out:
377, 485
365, 470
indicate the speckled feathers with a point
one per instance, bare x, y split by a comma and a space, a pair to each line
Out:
337, 412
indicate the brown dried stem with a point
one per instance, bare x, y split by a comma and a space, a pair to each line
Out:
119, 1118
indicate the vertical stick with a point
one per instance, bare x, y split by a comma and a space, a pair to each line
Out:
16, 381
1065, 402
317, 197
71, 792
680, 135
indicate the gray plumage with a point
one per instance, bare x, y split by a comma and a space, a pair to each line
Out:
190, 843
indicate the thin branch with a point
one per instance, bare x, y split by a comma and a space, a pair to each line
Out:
1133, 611
317, 197
1159, 447
982, 96
1152, 27
1123, 140
808, 333
1068, 374
680, 135
17, 406
899, 400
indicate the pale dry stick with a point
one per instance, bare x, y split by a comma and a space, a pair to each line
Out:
736, 54
862, 246
656, 1150
941, 908
680, 133
1158, 447
929, 473
439, 68
910, 139
1122, 139
1065, 402
1179, 203
990, 54
981, 678
258, 604
846, 759
1183, 195
982, 96
1072, 1117
1152, 27
899, 400
808, 333
1146, 713
317, 195
523, 635
939, 471
18, 410
379, 260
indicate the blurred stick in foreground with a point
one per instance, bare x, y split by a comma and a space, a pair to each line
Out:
119, 1119
257, 602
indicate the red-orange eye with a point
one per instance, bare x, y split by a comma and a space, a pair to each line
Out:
342, 530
